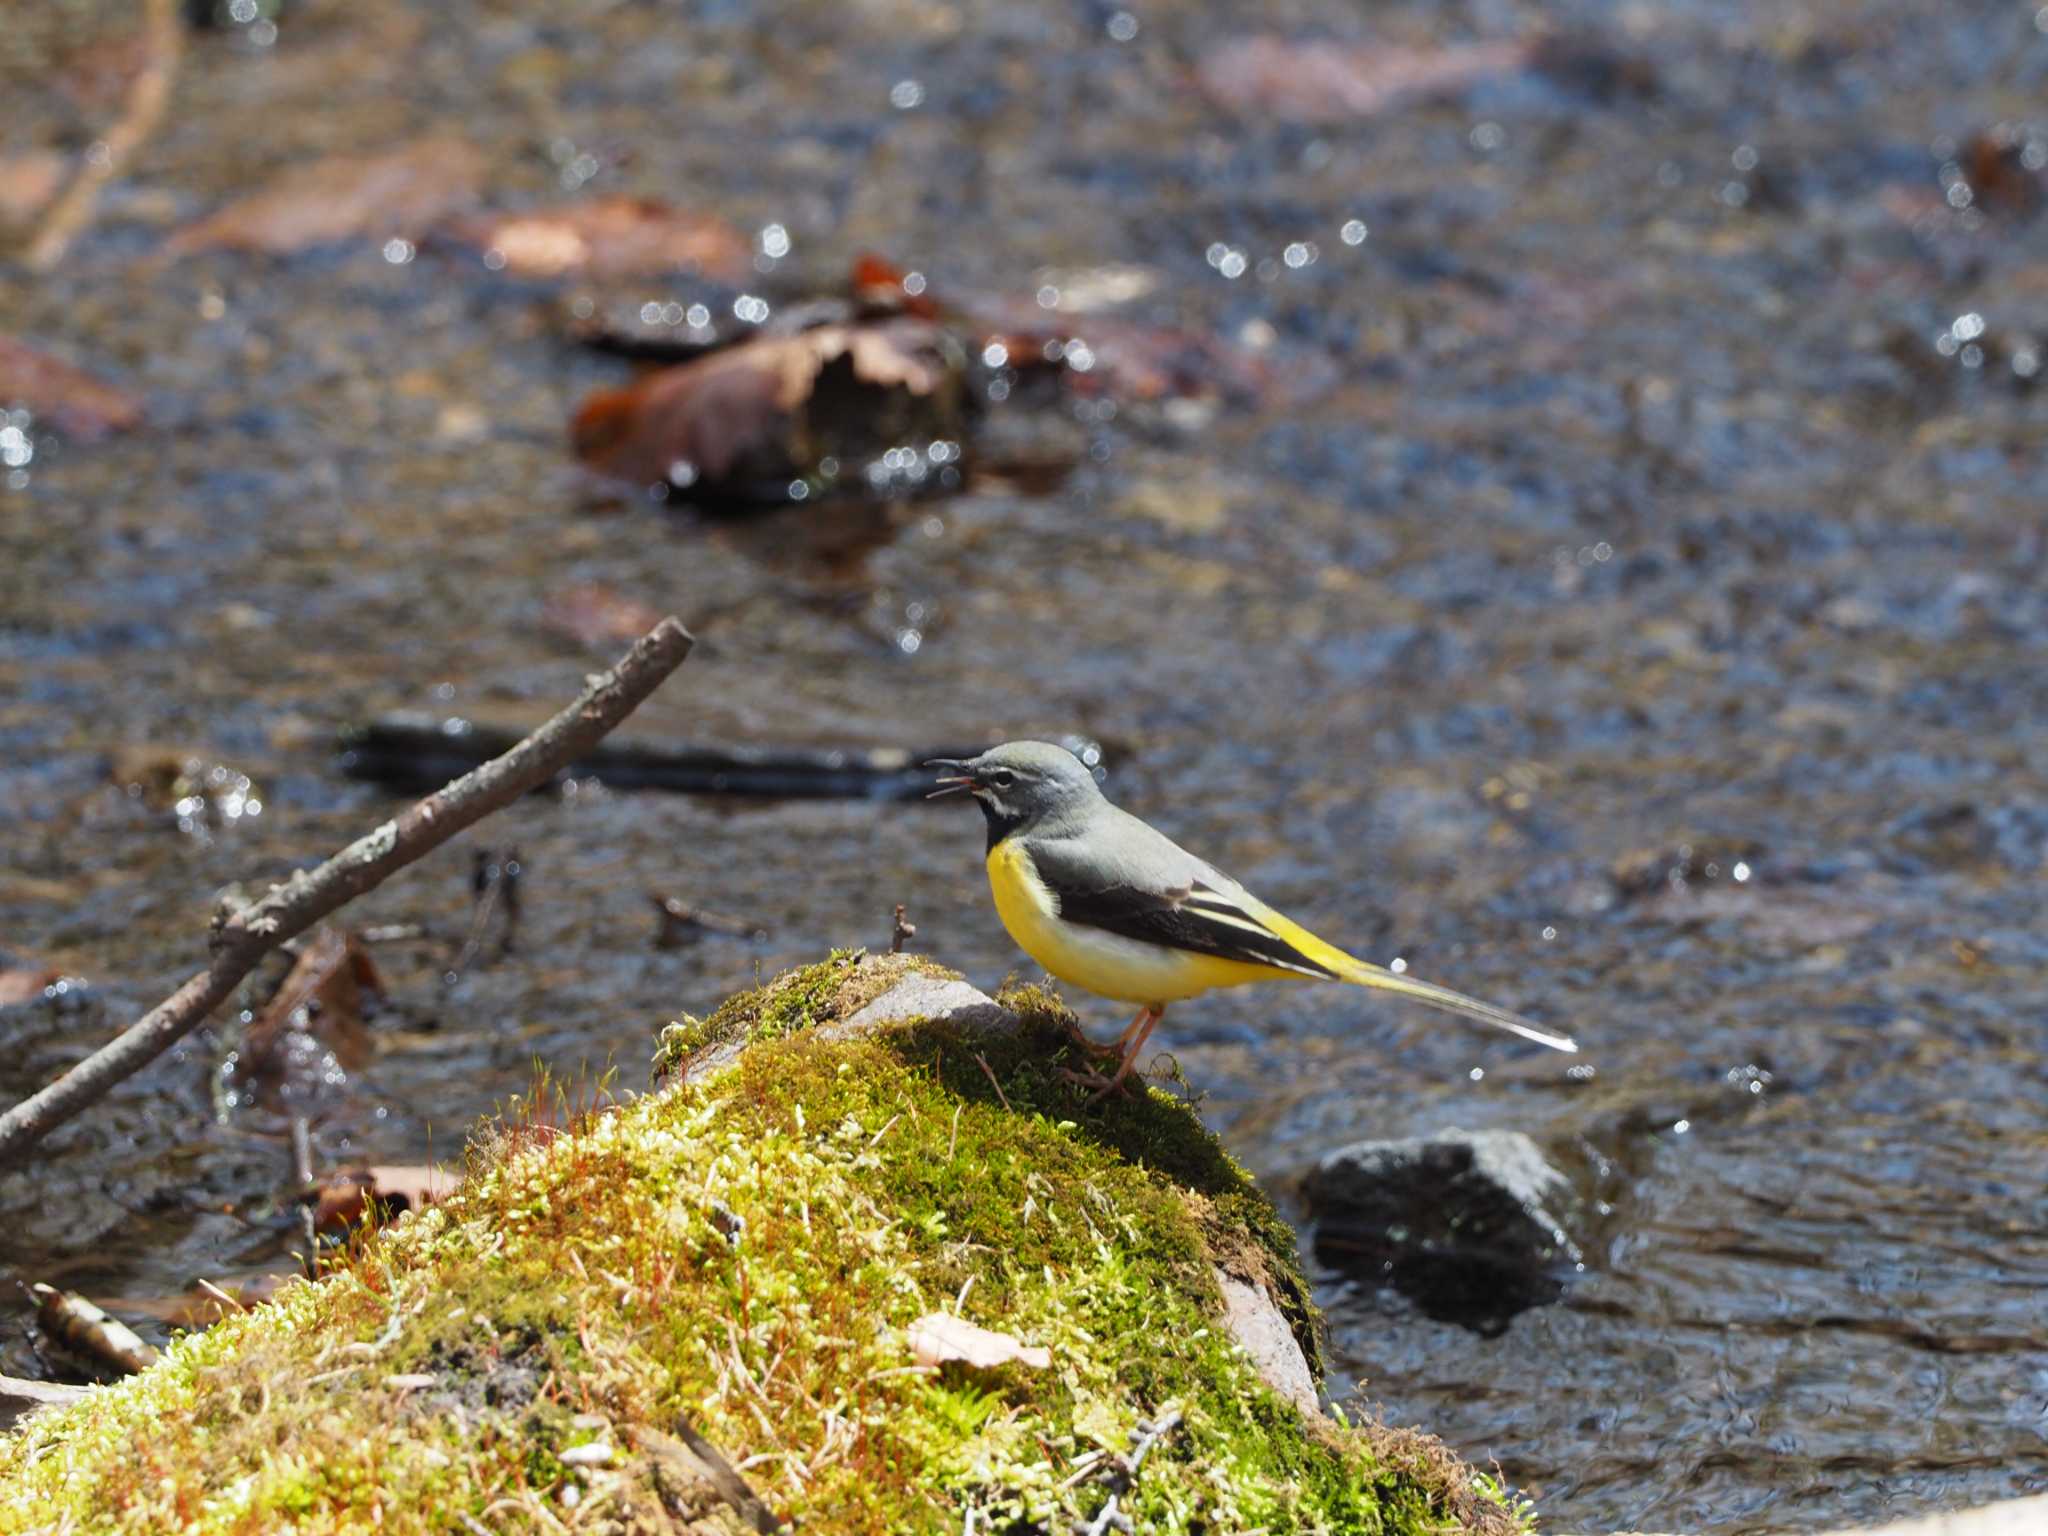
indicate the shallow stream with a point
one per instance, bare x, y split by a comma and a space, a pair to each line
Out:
1622, 597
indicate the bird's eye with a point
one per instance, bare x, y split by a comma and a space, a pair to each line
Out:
1002, 778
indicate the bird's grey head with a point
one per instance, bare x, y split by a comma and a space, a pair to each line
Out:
1020, 784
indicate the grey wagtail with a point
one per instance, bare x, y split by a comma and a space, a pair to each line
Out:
1103, 901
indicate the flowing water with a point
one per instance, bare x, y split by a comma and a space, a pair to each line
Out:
1621, 597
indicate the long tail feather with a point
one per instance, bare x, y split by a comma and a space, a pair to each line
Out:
1429, 992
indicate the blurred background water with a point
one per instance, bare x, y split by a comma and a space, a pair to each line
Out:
1599, 560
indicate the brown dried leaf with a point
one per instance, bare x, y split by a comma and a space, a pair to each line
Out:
748, 413
90, 1331
322, 995
403, 191
939, 1338
597, 616
28, 181
72, 400
24, 985
1327, 82
605, 238
380, 1191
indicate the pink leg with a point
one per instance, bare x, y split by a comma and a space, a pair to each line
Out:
1116, 1046
1128, 1045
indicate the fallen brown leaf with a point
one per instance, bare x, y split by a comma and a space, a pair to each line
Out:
380, 1191
90, 1331
1329, 82
939, 1338
402, 191
70, 399
24, 984
28, 181
882, 287
597, 616
322, 995
749, 419
607, 237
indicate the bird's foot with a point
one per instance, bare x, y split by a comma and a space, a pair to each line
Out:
1118, 1082
1102, 1049
1102, 1084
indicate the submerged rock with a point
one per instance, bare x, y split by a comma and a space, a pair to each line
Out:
1459, 1223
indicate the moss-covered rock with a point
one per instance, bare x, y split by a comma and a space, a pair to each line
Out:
738, 1258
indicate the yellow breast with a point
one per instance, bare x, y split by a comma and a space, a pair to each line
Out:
1106, 964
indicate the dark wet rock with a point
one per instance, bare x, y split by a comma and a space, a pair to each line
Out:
1459, 1223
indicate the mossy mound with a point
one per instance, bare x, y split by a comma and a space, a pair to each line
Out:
739, 1257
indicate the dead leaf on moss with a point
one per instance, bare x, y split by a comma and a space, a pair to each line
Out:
1308, 81
605, 238
939, 1338
380, 1192
70, 399
401, 192
749, 420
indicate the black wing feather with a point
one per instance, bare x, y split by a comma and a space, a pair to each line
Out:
1193, 917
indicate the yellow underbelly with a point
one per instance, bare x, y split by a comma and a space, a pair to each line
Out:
1097, 961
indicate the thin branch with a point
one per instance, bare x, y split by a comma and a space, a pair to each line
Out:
163, 36
241, 938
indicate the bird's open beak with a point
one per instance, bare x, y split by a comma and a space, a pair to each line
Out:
952, 783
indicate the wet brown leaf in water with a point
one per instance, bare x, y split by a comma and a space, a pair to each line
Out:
70, 399
1134, 360
939, 1338
1329, 82
380, 1192
2006, 169
402, 191
596, 616
28, 181
752, 417
24, 984
322, 995
881, 287
607, 237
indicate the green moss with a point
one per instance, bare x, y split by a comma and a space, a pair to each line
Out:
745, 1252
836, 987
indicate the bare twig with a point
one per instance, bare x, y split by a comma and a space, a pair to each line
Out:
19, 1399
242, 937
680, 923
302, 1172
989, 1072
163, 36
1123, 1473
494, 881
903, 932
